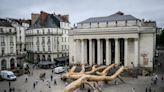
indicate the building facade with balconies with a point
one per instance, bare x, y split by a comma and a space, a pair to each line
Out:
118, 38
7, 45
47, 37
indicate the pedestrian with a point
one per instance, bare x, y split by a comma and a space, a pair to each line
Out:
133, 89
13, 89
36, 81
34, 85
146, 90
51, 77
26, 79
149, 89
55, 82
52, 71
162, 78
4, 90
10, 90
9, 84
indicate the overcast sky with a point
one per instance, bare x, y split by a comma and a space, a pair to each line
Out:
79, 10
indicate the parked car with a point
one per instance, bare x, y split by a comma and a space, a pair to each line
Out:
7, 75
59, 69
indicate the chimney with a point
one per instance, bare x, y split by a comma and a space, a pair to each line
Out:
65, 18
43, 16
34, 17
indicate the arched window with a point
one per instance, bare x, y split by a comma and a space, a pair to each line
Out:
3, 64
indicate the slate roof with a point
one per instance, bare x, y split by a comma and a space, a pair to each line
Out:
119, 16
5, 23
50, 21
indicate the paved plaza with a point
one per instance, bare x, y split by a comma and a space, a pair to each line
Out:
21, 86
139, 84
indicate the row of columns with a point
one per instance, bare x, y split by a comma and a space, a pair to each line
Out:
83, 50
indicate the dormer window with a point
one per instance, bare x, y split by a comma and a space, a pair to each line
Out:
10, 30
37, 31
43, 31
126, 22
98, 24
107, 23
90, 24
1, 29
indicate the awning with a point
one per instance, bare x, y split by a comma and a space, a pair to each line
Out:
62, 59
45, 63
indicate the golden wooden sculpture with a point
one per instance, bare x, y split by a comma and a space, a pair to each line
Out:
83, 77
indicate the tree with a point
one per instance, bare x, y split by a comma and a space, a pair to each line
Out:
85, 77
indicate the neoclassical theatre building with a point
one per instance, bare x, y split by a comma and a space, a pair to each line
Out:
118, 38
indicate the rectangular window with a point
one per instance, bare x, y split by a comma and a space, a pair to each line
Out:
54, 42
48, 42
10, 30
43, 31
43, 48
1, 29
37, 42
49, 48
48, 31
43, 40
37, 31
3, 50
38, 48
2, 41
11, 50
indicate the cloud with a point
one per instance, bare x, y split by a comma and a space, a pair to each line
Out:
83, 9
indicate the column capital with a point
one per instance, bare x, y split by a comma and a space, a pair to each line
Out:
126, 38
136, 39
97, 38
116, 38
106, 38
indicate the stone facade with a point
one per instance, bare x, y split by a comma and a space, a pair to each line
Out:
47, 38
118, 38
7, 45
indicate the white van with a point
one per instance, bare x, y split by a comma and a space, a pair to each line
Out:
8, 75
59, 69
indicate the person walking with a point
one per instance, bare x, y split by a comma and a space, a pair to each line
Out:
133, 89
26, 79
146, 90
13, 89
51, 77
4, 90
55, 82
34, 85
9, 84
149, 89
162, 78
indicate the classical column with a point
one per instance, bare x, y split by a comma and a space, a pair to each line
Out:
98, 52
93, 52
125, 52
135, 52
108, 52
101, 52
90, 52
117, 51
82, 51
75, 49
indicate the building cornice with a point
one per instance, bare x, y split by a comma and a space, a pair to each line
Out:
114, 30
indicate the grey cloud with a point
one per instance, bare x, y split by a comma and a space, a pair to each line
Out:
83, 9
